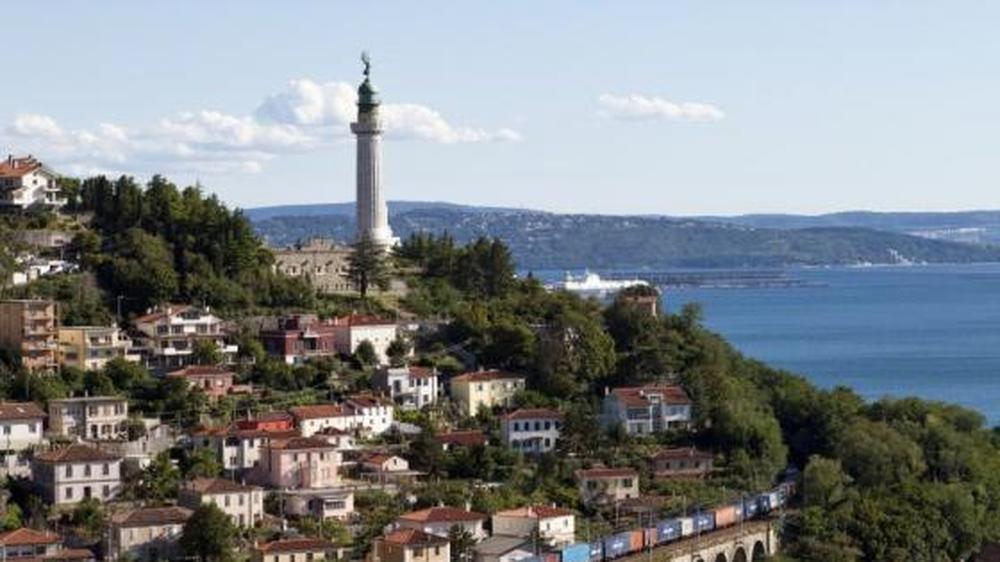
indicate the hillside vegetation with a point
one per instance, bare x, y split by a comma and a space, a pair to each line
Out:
554, 241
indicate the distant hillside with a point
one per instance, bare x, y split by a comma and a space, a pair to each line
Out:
981, 227
556, 241
347, 209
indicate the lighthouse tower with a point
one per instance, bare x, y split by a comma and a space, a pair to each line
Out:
373, 215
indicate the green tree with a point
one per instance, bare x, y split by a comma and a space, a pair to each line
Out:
88, 518
365, 354
206, 352
367, 266
397, 351
202, 463
209, 535
462, 542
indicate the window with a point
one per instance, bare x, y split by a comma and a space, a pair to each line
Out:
106, 469
548, 425
627, 482
6, 429
86, 470
69, 471
418, 552
106, 491
69, 493
227, 501
32, 428
517, 426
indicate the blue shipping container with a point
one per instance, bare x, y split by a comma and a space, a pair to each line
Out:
704, 522
668, 530
579, 552
616, 545
750, 508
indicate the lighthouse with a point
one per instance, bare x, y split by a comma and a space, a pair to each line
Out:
373, 215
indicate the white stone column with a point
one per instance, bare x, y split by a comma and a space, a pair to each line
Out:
372, 213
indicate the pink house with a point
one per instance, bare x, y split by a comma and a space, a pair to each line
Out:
214, 381
300, 462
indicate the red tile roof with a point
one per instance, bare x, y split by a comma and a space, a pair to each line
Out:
422, 372
162, 313
358, 401
216, 486
413, 537
534, 414
361, 320
76, 453
302, 544
483, 376
535, 512
683, 453
26, 536
18, 167
602, 472
463, 438
154, 516
317, 411
299, 443
201, 371
442, 515
20, 411
638, 396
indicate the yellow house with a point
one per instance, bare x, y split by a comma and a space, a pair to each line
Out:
484, 389
91, 347
410, 545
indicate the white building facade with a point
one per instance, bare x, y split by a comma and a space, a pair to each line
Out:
643, 410
68, 475
243, 504
26, 182
89, 417
170, 334
410, 388
532, 430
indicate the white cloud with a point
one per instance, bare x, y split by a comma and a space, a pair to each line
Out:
639, 107
307, 103
304, 117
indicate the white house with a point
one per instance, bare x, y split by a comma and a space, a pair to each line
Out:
243, 504
332, 503
372, 414
554, 525
170, 333
26, 181
532, 430
66, 476
315, 418
350, 331
409, 387
148, 534
439, 521
21, 424
237, 449
643, 410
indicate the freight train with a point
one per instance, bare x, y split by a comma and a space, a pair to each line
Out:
668, 530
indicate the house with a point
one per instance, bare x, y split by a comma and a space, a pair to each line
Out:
29, 329
66, 476
236, 449
331, 503
147, 534
89, 417
603, 486
455, 439
373, 415
350, 331
643, 410
410, 545
531, 430
553, 525
300, 549
169, 334
243, 504
411, 388
213, 380
299, 338
385, 467
90, 348
300, 462
30, 545
439, 521
342, 440
501, 548
26, 182
484, 389
683, 462
20, 426
317, 417
268, 421
138, 453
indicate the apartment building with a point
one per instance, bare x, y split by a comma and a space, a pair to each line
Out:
66, 476
484, 389
643, 410
300, 462
410, 388
532, 430
29, 329
91, 347
606, 486
26, 182
169, 335
89, 417
147, 534
243, 504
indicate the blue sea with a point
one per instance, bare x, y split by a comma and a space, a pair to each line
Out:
927, 331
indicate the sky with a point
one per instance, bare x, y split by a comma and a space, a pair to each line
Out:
660, 107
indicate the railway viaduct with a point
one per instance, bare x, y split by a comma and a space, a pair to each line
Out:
753, 540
